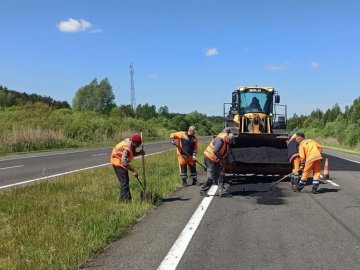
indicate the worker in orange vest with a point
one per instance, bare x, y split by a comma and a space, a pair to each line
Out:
215, 155
187, 146
294, 159
121, 156
310, 161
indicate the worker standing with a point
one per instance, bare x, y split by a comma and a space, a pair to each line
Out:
121, 156
310, 161
187, 146
215, 156
294, 159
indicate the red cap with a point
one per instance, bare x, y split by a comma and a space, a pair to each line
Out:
136, 139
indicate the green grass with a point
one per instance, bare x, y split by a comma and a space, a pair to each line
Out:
59, 224
333, 143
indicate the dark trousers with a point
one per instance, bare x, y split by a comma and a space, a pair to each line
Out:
183, 171
214, 174
123, 176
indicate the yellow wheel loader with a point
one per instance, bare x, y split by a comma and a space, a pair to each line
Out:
259, 124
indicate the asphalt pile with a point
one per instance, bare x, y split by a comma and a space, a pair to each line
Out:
258, 155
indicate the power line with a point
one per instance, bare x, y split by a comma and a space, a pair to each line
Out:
133, 101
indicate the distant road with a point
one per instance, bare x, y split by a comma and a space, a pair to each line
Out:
27, 168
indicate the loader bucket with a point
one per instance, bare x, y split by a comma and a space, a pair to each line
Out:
258, 154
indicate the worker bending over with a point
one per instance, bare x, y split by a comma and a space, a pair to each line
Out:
121, 156
294, 159
215, 155
310, 161
187, 145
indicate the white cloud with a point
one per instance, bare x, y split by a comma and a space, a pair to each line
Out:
277, 67
314, 64
74, 25
211, 52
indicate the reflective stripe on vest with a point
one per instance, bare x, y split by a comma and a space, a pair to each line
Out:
117, 152
209, 151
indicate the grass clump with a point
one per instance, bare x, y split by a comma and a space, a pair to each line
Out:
60, 224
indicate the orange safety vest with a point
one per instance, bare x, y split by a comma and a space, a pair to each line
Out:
209, 151
117, 152
185, 143
309, 151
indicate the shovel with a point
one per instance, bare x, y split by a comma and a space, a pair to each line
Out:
273, 184
205, 169
144, 195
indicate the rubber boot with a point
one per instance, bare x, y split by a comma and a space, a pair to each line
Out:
194, 181
315, 187
299, 186
184, 181
205, 187
222, 191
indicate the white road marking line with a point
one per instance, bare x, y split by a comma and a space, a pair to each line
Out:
64, 173
345, 158
99, 154
48, 155
18, 166
51, 176
176, 252
333, 183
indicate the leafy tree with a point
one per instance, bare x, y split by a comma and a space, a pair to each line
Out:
127, 110
146, 112
10, 98
179, 122
164, 111
97, 97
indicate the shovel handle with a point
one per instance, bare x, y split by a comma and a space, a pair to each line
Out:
205, 169
141, 184
143, 160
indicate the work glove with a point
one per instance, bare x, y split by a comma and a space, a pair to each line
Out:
173, 141
141, 152
135, 173
301, 170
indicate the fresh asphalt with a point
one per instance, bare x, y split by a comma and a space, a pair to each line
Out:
257, 228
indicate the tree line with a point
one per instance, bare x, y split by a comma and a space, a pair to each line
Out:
93, 119
9, 98
333, 123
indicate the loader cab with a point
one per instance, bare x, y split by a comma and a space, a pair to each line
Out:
255, 100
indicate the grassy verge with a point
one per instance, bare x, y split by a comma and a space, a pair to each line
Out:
60, 224
334, 144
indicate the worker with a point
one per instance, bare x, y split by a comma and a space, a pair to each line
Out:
121, 156
255, 105
215, 156
310, 161
187, 146
294, 159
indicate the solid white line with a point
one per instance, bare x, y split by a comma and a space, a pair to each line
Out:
51, 176
345, 158
333, 183
99, 154
64, 173
12, 167
50, 154
176, 252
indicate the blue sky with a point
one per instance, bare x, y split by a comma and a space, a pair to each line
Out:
187, 55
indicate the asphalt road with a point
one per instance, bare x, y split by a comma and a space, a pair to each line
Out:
257, 228
27, 168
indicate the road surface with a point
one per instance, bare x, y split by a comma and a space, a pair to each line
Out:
257, 228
